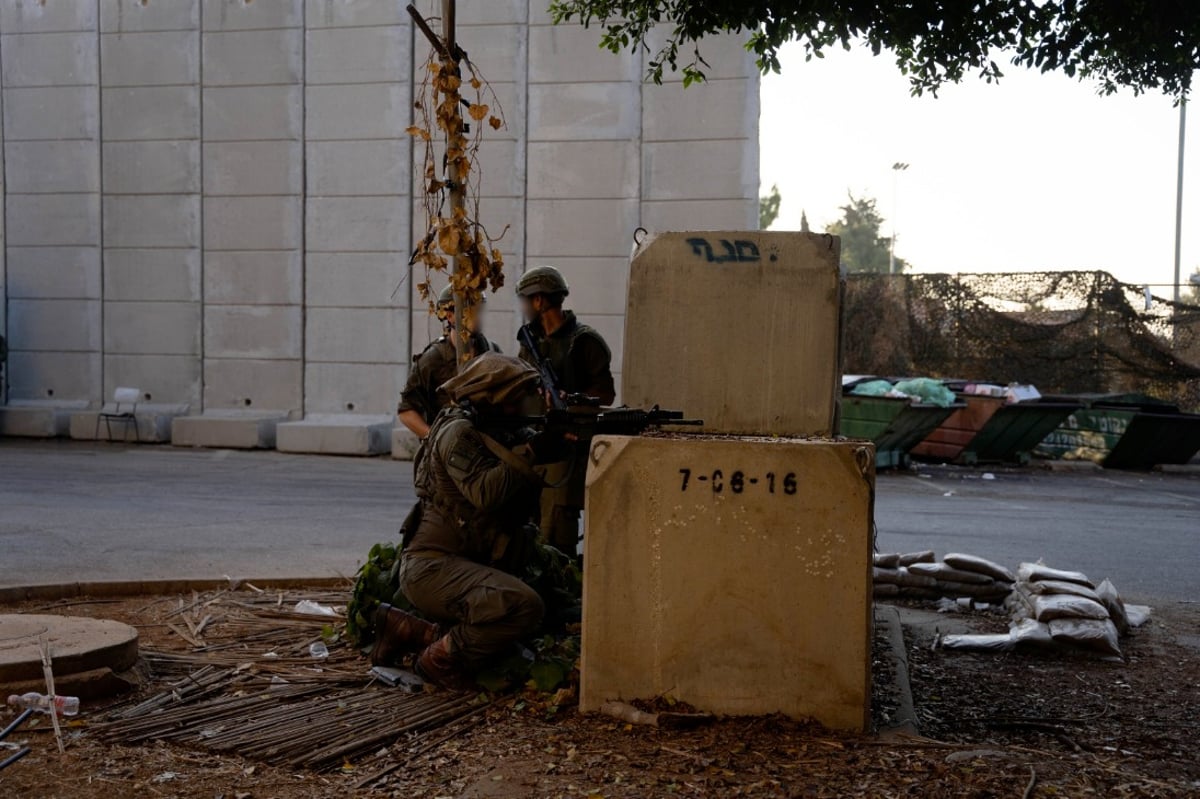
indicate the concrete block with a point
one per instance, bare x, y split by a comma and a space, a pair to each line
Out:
575, 170
35, 16
734, 575
52, 112
699, 170
153, 424
253, 167
151, 112
348, 168
501, 169
150, 59
370, 111
163, 379
166, 275
356, 335
52, 219
716, 109
51, 59
701, 214
572, 111
363, 279
152, 167
54, 325
227, 429
247, 384
404, 443
681, 287
346, 224
252, 331
253, 278
117, 16
36, 419
252, 223
592, 228
726, 55
352, 13
234, 113
242, 58
152, 220
57, 376
572, 54
152, 328
499, 50
251, 14
357, 55
53, 272
354, 387
336, 434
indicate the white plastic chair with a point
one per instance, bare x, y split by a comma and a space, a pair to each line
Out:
126, 401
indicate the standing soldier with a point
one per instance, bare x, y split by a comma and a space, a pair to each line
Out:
478, 494
419, 402
582, 363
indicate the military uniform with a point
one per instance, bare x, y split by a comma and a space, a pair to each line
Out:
477, 497
432, 368
582, 362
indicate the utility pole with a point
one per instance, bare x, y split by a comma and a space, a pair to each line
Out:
897, 168
1179, 192
447, 48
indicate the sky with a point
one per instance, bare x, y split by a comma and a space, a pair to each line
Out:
1035, 172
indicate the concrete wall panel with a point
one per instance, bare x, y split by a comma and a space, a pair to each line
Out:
251, 14
169, 378
358, 55
233, 113
132, 16
151, 167
252, 331
58, 112
34, 16
573, 170
352, 388
250, 384
53, 59
259, 278
355, 335
49, 167
166, 275
252, 167
53, 272
54, 325
152, 328
580, 227
252, 58
52, 375
351, 168
569, 112
352, 13
368, 111
52, 219
160, 58
153, 220
251, 223
151, 112
355, 279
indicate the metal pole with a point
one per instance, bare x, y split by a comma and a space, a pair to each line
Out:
1179, 191
458, 191
897, 168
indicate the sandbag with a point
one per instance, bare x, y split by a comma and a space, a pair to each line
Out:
908, 579
1108, 596
993, 591
917, 557
1032, 572
908, 592
1099, 635
886, 590
887, 561
1028, 632
940, 571
1062, 587
970, 563
1137, 615
977, 643
1048, 607
880, 575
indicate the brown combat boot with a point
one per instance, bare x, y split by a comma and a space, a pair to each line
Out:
440, 666
398, 633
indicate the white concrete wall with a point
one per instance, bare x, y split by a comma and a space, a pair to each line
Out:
214, 200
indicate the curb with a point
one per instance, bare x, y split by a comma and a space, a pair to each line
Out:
905, 721
127, 588
1070, 466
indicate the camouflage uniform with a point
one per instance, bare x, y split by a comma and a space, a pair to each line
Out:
476, 504
433, 367
582, 361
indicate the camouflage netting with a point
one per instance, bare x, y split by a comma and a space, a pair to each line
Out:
1065, 332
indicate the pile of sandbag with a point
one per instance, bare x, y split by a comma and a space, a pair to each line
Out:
920, 575
1056, 608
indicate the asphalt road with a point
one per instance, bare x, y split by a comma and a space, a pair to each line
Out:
73, 511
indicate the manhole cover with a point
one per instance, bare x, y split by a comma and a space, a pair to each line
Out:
77, 645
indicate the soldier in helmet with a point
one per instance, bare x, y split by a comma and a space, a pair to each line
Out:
478, 493
582, 362
419, 402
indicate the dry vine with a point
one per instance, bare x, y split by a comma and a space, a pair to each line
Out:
459, 233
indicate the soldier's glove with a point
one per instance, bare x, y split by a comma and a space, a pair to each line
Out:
548, 447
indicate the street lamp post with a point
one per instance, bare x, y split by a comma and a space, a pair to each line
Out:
897, 168
1179, 191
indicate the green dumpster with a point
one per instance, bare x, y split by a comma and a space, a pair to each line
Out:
1125, 431
1154, 438
895, 425
1015, 430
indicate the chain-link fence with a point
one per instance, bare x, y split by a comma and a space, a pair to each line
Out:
1062, 331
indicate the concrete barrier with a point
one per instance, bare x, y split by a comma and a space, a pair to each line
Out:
732, 574
228, 429
739, 329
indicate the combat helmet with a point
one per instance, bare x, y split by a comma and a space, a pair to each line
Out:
542, 280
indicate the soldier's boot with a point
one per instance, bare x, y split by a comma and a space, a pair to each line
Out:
439, 665
398, 633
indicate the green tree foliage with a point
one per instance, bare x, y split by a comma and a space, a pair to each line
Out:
1141, 44
864, 249
1191, 292
768, 208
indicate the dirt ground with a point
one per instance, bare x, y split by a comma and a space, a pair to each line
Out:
1012, 725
